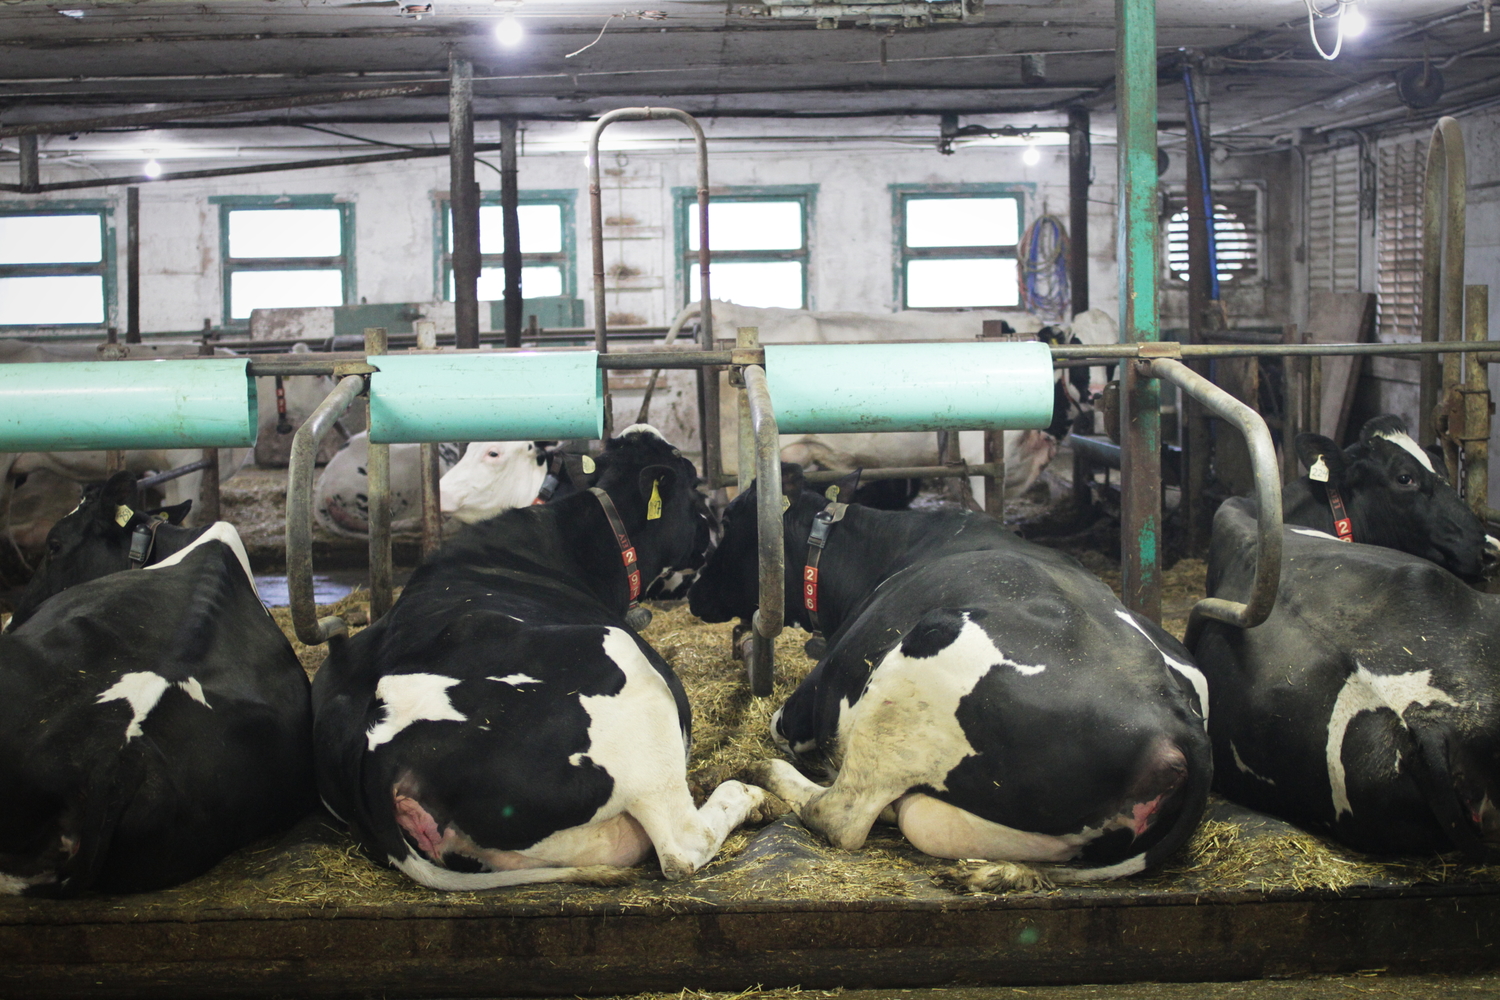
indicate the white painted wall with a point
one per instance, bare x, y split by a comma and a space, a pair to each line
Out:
851, 265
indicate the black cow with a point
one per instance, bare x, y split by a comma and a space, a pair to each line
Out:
992, 691
150, 722
503, 724
1391, 496
1367, 706
98, 538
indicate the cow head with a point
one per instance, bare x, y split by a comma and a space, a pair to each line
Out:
729, 585
656, 492
493, 476
92, 541
1394, 496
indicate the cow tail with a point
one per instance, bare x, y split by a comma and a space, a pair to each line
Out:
1438, 784
1190, 801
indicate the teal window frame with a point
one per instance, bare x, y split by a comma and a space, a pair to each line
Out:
104, 267
685, 214
903, 255
567, 257
344, 262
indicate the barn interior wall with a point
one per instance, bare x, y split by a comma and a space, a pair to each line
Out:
852, 260
1267, 299
1482, 259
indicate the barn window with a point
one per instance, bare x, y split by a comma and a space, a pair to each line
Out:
285, 252
956, 246
55, 264
548, 254
758, 240
1237, 235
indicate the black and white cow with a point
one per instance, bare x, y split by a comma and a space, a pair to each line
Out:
150, 722
993, 692
1390, 495
1367, 707
97, 538
503, 724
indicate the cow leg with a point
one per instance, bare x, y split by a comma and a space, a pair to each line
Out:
687, 839
842, 812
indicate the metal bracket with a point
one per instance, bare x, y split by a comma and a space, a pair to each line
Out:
344, 368
737, 376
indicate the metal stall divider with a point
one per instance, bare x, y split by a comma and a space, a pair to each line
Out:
708, 380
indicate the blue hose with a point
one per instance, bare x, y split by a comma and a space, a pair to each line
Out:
1199, 150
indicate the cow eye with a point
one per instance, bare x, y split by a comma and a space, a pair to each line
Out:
1405, 479
54, 546
494, 454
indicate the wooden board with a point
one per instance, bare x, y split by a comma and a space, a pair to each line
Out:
1339, 318
914, 931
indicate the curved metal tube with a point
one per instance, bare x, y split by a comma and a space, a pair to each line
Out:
299, 585
1267, 496
596, 236
1444, 210
770, 618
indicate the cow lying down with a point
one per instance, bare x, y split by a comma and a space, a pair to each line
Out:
1367, 707
989, 696
150, 722
503, 724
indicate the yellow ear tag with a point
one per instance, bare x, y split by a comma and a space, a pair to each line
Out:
123, 514
832, 492
653, 506
588, 465
1319, 471
786, 502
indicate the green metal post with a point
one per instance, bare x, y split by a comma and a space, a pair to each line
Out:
1140, 417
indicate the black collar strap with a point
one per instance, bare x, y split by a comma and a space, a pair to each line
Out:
550, 483
823, 522
627, 551
143, 541
1342, 525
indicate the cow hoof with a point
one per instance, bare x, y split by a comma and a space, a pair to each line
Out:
759, 774
770, 808
997, 877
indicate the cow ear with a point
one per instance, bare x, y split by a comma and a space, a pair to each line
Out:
175, 514
842, 490
581, 470
119, 490
544, 450
1315, 448
792, 481
656, 482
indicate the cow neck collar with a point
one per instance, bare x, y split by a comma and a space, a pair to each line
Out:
817, 539
551, 481
627, 550
1343, 526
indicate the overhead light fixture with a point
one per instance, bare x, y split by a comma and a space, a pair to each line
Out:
1352, 23
1032, 156
152, 168
71, 13
1348, 22
416, 11
508, 31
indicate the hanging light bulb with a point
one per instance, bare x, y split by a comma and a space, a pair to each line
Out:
152, 168
1351, 22
1032, 156
508, 31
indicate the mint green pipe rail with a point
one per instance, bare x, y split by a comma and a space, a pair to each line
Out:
422, 398
855, 388
93, 405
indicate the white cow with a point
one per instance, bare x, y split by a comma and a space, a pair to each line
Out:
491, 477
341, 496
